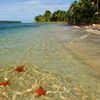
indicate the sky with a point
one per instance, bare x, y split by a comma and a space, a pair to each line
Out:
26, 10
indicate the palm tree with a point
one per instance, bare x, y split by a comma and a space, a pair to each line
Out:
47, 15
96, 7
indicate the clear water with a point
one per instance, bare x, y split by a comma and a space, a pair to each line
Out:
13, 39
53, 56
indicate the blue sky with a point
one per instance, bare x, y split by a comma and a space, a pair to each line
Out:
26, 10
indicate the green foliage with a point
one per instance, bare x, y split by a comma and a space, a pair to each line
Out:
47, 16
80, 11
40, 18
57, 16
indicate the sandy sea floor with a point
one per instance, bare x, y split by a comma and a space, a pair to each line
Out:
51, 59
23, 86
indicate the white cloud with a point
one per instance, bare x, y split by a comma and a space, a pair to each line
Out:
27, 10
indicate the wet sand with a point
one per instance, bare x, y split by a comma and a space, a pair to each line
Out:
89, 53
96, 32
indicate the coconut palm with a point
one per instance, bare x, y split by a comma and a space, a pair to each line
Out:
96, 7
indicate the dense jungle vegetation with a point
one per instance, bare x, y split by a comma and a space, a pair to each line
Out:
79, 12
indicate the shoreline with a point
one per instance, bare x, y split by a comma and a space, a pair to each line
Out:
93, 28
59, 23
78, 46
96, 32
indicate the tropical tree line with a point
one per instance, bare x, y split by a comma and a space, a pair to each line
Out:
84, 11
81, 11
48, 16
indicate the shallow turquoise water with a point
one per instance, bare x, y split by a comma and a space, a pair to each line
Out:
45, 46
14, 40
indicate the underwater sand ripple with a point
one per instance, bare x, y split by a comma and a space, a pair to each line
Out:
57, 87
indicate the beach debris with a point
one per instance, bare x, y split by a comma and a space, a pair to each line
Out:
5, 83
40, 91
20, 69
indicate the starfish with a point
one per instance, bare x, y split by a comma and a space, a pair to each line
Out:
20, 69
40, 91
5, 83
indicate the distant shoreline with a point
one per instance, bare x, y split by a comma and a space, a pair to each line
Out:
7, 22
50, 22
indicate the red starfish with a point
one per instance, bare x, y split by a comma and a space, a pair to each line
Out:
40, 91
5, 83
20, 69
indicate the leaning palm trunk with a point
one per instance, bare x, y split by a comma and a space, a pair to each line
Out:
97, 8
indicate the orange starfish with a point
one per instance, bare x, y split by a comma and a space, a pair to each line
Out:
40, 91
5, 83
20, 69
